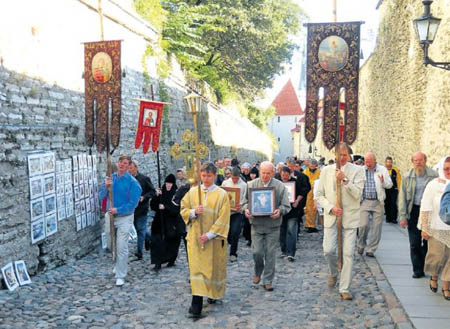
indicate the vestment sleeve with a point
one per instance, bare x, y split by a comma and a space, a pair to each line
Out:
186, 207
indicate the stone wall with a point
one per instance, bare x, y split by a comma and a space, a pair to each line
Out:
404, 106
42, 108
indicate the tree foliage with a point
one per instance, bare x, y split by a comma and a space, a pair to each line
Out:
235, 45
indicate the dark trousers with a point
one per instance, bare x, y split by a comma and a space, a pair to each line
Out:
418, 246
140, 224
288, 236
247, 232
235, 231
197, 304
390, 205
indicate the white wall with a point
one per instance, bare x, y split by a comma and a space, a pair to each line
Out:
281, 126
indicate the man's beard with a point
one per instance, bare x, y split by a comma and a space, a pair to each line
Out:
419, 171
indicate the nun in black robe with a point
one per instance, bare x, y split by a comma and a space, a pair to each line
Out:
166, 232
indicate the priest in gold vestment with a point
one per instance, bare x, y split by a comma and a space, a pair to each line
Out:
208, 225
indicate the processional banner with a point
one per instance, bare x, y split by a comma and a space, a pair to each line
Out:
332, 64
102, 76
149, 125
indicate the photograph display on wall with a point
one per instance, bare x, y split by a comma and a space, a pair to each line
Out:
69, 205
36, 187
51, 225
10, 277
83, 220
67, 165
35, 164
48, 163
49, 184
50, 204
38, 230
75, 162
59, 166
22, 273
37, 208
68, 178
78, 219
61, 213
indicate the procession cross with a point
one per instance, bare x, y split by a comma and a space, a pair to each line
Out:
187, 150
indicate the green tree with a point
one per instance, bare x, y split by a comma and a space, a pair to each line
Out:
237, 46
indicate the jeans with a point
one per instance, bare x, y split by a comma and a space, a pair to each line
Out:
235, 231
418, 246
140, 224
288, 236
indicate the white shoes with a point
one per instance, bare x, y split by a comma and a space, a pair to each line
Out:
114, 270
120, 282
233, 258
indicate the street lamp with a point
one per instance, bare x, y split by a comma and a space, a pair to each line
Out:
426, 28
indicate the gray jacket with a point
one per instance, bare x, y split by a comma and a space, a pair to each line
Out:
263, 223
408, 189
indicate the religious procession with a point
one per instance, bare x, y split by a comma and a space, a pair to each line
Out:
231, 164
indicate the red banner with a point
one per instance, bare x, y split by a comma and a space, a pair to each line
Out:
149, 125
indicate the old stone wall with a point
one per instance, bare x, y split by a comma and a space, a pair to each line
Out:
42, 108
404, 106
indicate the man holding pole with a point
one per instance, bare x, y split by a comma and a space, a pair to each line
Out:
126, 193
206, 211
351, 178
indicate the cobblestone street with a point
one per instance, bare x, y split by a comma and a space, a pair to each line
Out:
82, 294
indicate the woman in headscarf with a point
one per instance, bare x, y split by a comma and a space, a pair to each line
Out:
437, 261
166, 233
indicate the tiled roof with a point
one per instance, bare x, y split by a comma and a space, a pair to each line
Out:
286, 102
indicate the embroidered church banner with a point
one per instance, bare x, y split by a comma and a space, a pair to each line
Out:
102, 78
149, 125
332, 64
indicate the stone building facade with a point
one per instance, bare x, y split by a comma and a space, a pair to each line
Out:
42, 108
404, 106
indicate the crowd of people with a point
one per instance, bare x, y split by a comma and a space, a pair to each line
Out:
202, 216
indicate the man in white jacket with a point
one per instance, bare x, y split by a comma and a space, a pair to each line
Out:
372, 205
352, 180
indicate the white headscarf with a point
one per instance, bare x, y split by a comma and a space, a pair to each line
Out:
440, 169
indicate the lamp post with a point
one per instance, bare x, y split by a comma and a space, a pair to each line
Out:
426, 28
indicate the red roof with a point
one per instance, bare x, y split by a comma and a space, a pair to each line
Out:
286, 102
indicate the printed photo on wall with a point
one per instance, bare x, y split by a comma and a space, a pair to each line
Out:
48, 163
83, 206
80, 162
75, 178
78, 220
10, 277
35, 164
37, 208
38, 230
89, 219
75, 162
83, 221
36, 187
59, 167
89, 161
67, 165
76, 191
67, 189
60, 202
69, 207
68, 178
22, 273
60, 190
49, 184
103, 239
81, 177
61, 213
50, 204
88, 205
77, 209
59, 179
51, 225
81, 187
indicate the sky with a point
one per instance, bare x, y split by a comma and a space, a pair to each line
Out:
321, 11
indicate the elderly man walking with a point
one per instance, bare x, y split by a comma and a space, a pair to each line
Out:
352, 184
413, 186
372, 205
266, 229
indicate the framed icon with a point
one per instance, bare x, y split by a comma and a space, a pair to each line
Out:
234, 194
261, 201
291, 191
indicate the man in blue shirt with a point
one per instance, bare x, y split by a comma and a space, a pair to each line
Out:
445, 206
126, 194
